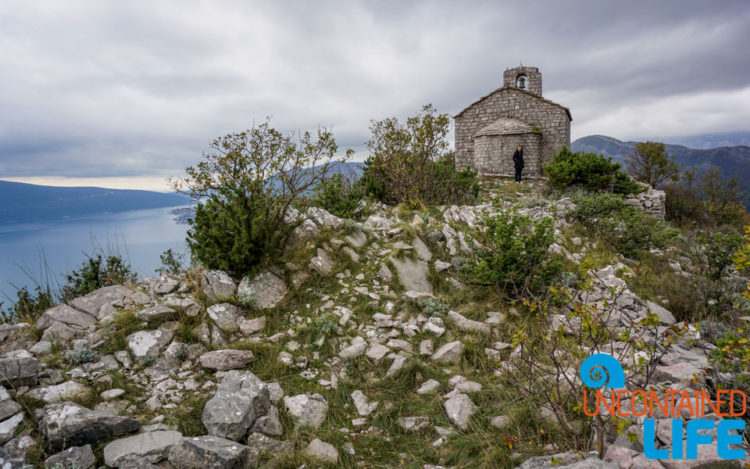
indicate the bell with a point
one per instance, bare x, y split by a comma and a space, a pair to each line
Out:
522, 83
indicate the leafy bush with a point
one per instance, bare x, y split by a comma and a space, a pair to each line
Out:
742, 259
96, 273
80, 356
594, 206
634, 231
249, 184
715, 252
338, 195
28, 306
515, 255
592, 171
326, 325
434, 307
411, 163
171, 262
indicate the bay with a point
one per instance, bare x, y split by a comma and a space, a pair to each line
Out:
44, 252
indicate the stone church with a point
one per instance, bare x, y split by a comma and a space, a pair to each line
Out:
488, 131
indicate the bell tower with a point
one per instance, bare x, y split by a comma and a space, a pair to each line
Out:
523, 78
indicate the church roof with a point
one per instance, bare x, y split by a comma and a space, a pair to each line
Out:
506, 88
505, 126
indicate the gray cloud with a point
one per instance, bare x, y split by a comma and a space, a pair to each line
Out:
92, 89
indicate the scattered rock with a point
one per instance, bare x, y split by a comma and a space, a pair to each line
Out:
364, 408
239, 400
211, 452
460, 409
217, 285
76, 456
321, 263
224, 315
307, 409
149, 447
267, 288
467, 324
323, 451
9, 426
59, 392
665, 316
156, 313
449, 353
94, 302
413, 424
148, 343
501, 421
19, 368
413, 274
67, 424
224, 360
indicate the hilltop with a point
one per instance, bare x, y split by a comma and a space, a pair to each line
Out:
365, 345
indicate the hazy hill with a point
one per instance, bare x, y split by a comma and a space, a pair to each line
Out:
713, 140
733, 160
23, 203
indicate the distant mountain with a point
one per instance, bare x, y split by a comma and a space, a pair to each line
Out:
733, 160
707, 141
22, 203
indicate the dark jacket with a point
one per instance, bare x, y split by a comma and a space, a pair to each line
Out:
518, 159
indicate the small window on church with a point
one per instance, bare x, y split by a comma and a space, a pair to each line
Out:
521, 82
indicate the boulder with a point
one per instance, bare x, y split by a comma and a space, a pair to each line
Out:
265, 444
58, 392
251, 326
413, 274
665, 316
66, 315
466, 324
9, 426
225, 316
224, 360
211, 452
149, 447
156, 313
322, 451
8, 408
19, 368
322, 263
307, 409
148, 343
93, 302
68, 424
460, 409
266, 287
239, 400
269, 424
449, 353
217, 285
76, 456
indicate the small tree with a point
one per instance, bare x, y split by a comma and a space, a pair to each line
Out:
249, 184
650, 163
411, 163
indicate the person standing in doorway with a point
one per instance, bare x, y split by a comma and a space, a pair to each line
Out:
518, 162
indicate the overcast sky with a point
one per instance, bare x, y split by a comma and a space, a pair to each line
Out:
124, 94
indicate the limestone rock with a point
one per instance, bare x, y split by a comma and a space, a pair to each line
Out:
75, 456
269, 424
211, 452
377, 351
156, 313
239, 400
363, 406
460, 409
322, 263
323, 451
66, 315
357, 348
449, 353
58, 392
224, 360
19, 368
224, 315
413, 424
467, 324
307, 409
148, 343
9, 426
67, 424
251, 326
149, 447
263, 443
217, 285
428, 386
93, 302
266, 287
501, 421
413, 274
665, 316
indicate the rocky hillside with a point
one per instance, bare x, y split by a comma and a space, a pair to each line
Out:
365, 346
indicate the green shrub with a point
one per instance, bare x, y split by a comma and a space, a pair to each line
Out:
249, 300
594, 206
515, 255
338, 195
171, 262
434, 307
634, 231
96, 273
28, 306
411, 163
708, 200
80, 356
326, 325
249, 184
715, 252
592, 171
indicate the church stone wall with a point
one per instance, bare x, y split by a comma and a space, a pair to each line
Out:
493, 154
551, 119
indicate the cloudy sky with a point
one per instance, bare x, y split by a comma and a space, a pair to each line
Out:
124, 94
